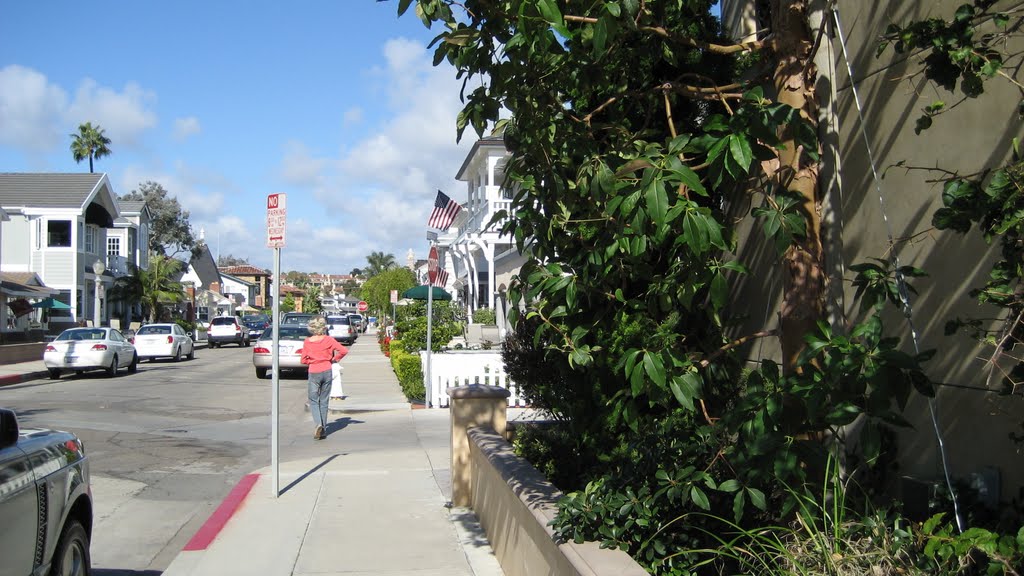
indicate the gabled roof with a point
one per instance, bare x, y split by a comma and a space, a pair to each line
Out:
20, 191
205, 266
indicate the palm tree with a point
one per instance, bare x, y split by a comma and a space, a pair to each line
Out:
158, 286
128, 290
379, 262
89, 143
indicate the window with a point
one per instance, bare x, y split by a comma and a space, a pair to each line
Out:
58, 233
90, 239
113, 246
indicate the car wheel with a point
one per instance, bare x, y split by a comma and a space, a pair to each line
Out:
71, 557
54, 373
177, 354
261, 372
112, 370
192, 353
134, 366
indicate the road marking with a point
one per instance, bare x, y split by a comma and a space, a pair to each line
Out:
222, 514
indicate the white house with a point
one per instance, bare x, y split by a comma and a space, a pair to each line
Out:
479, 258
57, 229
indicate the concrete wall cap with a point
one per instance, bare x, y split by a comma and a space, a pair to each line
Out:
473, 391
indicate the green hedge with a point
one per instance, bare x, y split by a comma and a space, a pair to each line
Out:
410, 374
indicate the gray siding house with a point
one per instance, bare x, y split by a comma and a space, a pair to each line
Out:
57, 229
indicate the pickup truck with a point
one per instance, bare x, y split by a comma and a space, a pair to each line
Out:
45, 501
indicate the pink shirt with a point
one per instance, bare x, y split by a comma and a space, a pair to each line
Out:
321, 353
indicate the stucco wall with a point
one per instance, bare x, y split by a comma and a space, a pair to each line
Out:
974, 420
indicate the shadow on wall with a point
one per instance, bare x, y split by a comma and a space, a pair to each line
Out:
976, 422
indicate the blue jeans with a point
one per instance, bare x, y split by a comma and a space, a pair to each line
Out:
319, 396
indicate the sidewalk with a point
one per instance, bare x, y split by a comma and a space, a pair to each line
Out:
373, 502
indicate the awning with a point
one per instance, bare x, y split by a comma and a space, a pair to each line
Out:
20, 307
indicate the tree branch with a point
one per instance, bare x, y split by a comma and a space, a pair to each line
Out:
684, 40
739, 342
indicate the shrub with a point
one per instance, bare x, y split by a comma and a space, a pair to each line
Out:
484, 316
410, 374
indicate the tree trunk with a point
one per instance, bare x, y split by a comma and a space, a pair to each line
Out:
803, 303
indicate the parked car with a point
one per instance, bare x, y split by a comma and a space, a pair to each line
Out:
155, 340
227, 330
299, 318
45, 501
256, 323
358, 322
290, 338
340, 328
81, 349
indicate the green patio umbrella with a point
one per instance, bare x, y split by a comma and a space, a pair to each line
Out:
420, 293
51, 303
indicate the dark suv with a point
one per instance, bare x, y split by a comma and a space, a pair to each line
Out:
45, 501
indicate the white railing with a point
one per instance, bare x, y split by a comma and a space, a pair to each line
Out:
483, 216
462, 367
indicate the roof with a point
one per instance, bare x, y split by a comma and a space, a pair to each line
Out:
24, 285
205, 267
76, 191
243, 270
131, 205
492, 141
234, 278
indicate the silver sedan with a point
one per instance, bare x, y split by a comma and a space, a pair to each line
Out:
81, 349
155, 340
290, 339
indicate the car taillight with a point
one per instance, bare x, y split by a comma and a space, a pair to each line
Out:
170, 339
260, 350
50, 349
99, 347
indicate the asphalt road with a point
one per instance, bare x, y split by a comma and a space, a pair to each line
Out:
166, 444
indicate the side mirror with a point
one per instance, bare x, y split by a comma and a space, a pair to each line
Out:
8, 428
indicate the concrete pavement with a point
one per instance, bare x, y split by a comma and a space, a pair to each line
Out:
374, 501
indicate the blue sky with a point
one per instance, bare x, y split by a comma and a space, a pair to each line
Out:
335, 103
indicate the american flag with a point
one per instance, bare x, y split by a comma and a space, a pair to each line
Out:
441, 279
445, 211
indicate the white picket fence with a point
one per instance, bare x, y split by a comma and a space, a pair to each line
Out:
462, 367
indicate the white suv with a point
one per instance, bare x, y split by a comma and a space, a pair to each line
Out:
227, 329
340, 328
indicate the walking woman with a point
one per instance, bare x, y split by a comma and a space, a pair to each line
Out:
319, 352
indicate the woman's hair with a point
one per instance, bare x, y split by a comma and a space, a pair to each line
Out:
317, 326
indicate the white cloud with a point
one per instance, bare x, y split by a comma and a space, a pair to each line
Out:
123, 115
353, 116
185, 127
31, 110
299, 167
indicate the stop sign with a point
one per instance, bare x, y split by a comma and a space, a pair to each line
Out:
362, 306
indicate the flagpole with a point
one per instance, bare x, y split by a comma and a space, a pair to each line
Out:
430, 329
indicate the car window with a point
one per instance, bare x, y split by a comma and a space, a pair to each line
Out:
222, 321
154, 330
337, 320
116, 336
177, 330
298, 333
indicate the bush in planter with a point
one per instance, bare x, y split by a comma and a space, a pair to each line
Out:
484, 316
410, 374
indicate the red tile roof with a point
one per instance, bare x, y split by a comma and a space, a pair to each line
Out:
244, 270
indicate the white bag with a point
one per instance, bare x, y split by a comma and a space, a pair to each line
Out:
336, 391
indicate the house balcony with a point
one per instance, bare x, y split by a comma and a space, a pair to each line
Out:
117, 265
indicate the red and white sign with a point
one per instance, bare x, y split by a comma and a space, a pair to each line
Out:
362, 306
276, 220
394, 296
432, 262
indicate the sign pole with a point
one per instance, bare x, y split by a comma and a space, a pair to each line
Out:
276, 224
275, 402
431, 276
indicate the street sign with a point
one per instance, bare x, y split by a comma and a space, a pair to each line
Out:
276, 220
432, 262
362, 306
394, 296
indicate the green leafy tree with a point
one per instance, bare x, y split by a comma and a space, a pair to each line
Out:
378, 262
159, 288
296, 278
170, 232
377, 290
311, 301
412, 325
635, 134
89, 142
288, 304
230, 260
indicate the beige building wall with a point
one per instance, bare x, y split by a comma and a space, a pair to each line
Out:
974, 419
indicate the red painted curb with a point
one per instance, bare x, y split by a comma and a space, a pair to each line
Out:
9, 379
213, 525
